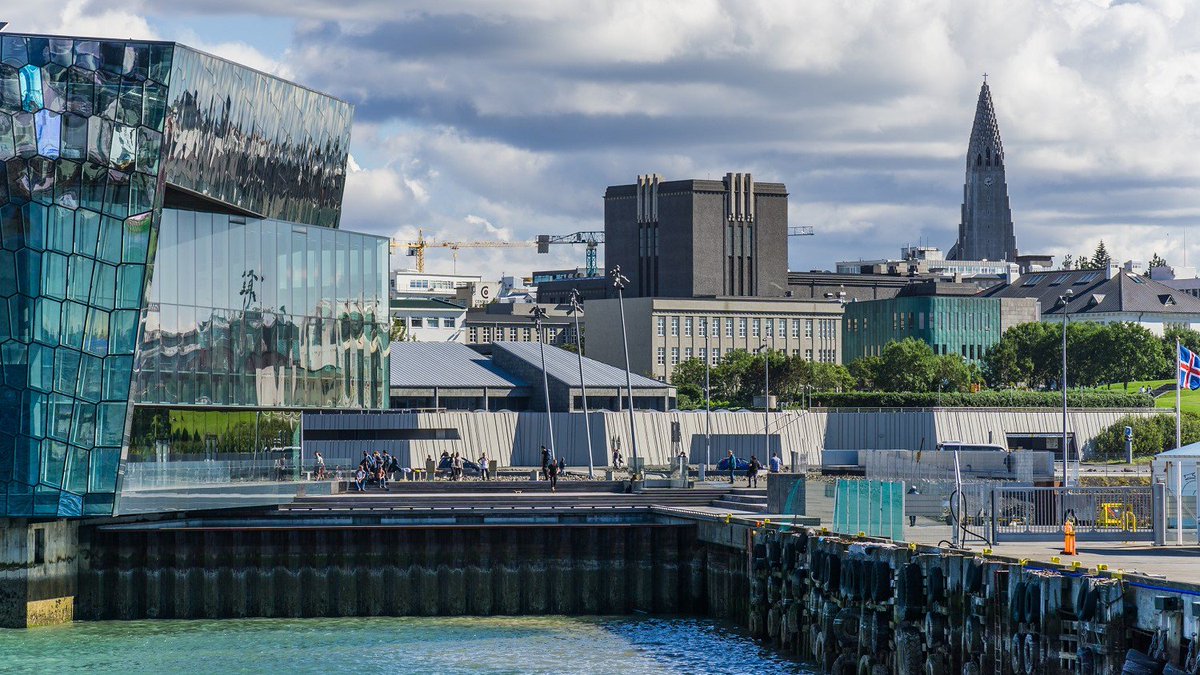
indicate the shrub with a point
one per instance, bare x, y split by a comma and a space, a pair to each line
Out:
1151, 435
982, 399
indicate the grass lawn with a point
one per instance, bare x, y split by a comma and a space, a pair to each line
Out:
1189, 400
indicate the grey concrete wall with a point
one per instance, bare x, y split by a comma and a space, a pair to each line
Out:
515, 439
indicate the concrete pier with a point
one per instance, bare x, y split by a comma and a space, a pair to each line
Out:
38, 572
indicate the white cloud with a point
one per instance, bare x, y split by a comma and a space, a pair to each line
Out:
515, 116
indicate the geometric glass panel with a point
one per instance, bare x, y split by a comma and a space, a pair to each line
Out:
31, 87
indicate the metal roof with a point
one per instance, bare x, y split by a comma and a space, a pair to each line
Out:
1094, 293
563, 366
445, 364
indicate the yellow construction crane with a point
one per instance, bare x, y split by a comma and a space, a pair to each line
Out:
417, 248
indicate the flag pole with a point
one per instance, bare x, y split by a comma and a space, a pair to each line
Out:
1178, 387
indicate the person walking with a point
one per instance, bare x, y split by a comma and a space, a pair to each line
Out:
545, 463
483, 467
552, 475
456, 467
752, 472
319, 469
732, 466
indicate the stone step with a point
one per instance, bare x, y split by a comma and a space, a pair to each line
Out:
739, 506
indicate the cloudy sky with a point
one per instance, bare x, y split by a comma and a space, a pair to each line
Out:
503, 120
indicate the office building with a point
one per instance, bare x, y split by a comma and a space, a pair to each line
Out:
175, 288
414, 284
663, 332
690, 238
928, 261
429, 319
949, 316
513, 322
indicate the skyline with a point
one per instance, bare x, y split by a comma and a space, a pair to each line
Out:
478, 123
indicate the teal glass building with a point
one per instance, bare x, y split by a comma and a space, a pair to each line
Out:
951, 319
174, 288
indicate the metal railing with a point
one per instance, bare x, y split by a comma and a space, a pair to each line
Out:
1098, 513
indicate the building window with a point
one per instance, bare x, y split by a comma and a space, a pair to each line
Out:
702, 326
447, 323
416, 322
716, 355
728, 327
796, 327
473, 335
703, 353
526, 335
662, 356
770, 326
756, 328
674, 356
808, 355
741, 328
687, 353
808, 328
674, 326
783, 328
512, 334
662, 326
687, 327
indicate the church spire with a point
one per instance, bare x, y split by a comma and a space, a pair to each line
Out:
986, 229
985, 148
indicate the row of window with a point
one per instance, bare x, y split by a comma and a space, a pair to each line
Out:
757, 327
823, 355
970, 352
485, 334
430, 322
918, 320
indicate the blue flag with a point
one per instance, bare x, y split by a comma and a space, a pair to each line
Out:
1189, 369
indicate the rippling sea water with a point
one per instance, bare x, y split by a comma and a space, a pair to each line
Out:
460, 645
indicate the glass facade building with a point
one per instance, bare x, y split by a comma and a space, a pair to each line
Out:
173, 285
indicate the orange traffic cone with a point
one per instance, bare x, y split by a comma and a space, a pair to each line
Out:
1069, 538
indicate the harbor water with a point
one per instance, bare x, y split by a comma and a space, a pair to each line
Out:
460, 645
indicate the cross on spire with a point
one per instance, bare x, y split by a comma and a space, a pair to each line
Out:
985, 78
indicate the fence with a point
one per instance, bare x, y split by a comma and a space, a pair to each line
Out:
150, 475
1099, 513
937, 465
873, 507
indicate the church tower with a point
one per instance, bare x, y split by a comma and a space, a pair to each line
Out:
986, 229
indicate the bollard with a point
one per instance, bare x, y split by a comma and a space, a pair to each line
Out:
1069, 538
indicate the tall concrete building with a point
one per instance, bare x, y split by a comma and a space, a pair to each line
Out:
690, 238
986, 229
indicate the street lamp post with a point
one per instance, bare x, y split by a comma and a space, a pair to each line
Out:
1063, 301
619, 281
765, 350
576, 310
538, 314
707, 399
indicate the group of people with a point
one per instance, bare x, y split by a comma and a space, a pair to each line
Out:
775, 465
374, 467
552, 468
456, 465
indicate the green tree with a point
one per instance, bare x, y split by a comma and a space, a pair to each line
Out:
1101, 258
907, 365
1155, 261
398, 332
1026, 355
1131, 353
864, 370
1068, 262
1187, 337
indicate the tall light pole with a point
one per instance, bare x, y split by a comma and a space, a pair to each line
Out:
765, 350
1063, 301
707, 399
619, 280
538, 314
576, 310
